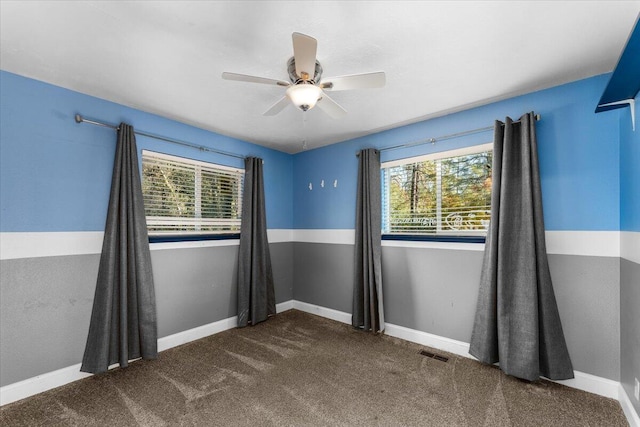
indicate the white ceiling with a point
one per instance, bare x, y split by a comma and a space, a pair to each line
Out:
166, 57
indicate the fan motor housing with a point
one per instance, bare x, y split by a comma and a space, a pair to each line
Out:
291, 68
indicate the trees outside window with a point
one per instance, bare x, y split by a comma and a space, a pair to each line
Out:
447, 193
183, 196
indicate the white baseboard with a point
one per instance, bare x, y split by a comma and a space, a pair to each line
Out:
629, 411
41, 383
582, 381
284, 306
441, 343
592, 384
184, 337
329, 313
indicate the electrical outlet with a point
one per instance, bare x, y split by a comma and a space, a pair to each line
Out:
636, 390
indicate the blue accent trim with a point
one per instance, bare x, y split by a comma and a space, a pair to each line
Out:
428, 238
192, 237
625, 80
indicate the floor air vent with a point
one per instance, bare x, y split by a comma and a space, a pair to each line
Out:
434, 356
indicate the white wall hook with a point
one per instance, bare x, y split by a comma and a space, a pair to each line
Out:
322, 183
310, 186
335, 183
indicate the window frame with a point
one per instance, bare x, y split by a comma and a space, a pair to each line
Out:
473, 237
191, 236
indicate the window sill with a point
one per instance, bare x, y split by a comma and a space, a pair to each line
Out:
171, 238
431, 238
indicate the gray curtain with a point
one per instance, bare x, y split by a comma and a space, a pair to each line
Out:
368, 310
256, 296
123, 321
517, 322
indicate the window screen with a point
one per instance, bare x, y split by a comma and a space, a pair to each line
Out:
445, 193
183, 196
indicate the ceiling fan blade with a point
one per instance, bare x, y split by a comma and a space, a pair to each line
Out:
331, 107
277, 107
254, 79
304, 52
355, 81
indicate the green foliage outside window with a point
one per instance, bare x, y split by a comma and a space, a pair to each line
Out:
183, 197
448, 196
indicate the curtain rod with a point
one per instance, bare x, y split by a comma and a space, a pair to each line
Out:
80, 119
433, 140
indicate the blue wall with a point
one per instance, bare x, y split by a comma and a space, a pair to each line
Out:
630, 170
55, 174
579, 159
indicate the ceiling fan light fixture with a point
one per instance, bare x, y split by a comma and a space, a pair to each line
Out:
305, 87
304, 96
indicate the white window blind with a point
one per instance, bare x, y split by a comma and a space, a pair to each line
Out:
446, 193
183, 196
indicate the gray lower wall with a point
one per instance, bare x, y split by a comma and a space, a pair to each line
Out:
45, 307
198, 286
435, 291
431, 290
323, 275
630, 327
45, 303
588, 294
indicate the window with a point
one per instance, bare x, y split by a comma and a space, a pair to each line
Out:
441, 194
189, 197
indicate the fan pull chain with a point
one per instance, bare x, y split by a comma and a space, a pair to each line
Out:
304, 130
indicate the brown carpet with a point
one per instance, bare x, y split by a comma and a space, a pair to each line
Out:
297, 369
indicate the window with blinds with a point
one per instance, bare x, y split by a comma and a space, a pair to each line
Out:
446, 193
183, 196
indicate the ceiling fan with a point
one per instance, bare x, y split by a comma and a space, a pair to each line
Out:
305, 88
